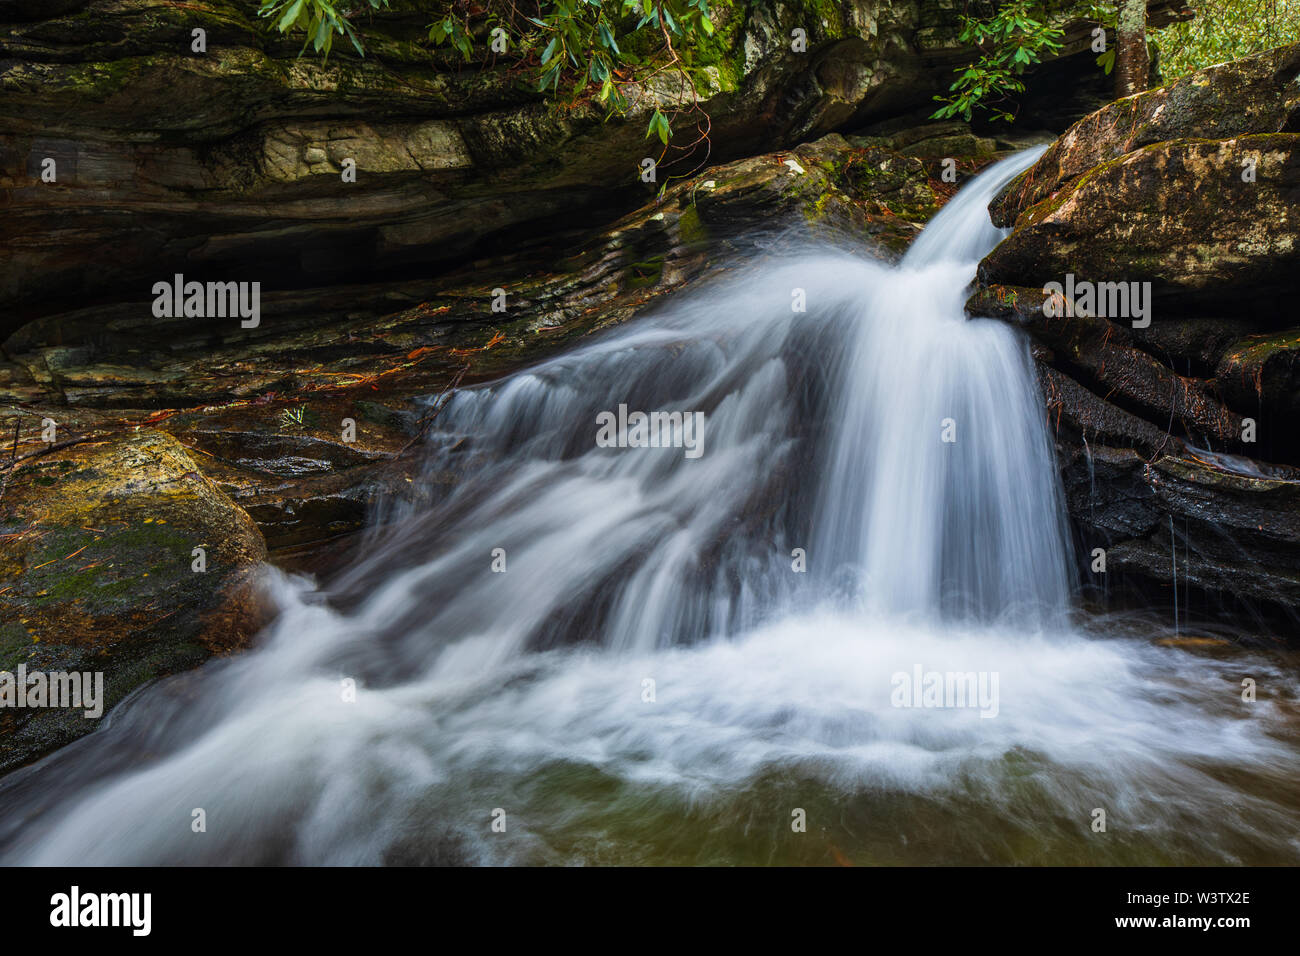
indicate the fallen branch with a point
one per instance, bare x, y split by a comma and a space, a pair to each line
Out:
66, 443
439, 403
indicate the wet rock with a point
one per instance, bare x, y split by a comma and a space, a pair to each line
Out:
928, 140
1175, 438
1082, 419
1101, 354
97, 572
1176, 214
1263, 371
1257, 94
227, 165
307, 471
262, 411
1233, 531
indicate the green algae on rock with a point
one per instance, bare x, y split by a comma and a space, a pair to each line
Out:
98, 573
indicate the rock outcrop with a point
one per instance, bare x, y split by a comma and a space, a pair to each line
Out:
1174, 422
1213, 224
226, 164
117, 556
1240, 98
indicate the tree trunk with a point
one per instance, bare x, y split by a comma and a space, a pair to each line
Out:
1131, 62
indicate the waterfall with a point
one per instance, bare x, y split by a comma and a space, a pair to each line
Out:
643, 654
940, 482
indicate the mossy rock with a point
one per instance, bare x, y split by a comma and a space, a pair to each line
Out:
97, 573
1178, 214
1263, 371
1258, 94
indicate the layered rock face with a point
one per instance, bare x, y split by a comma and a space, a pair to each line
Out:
1172, 378
229, 162
306, 418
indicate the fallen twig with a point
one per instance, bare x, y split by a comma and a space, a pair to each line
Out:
57, 446
439, 403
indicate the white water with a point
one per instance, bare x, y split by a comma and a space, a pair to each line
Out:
524, 690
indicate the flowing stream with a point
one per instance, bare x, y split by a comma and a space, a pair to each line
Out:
685, 655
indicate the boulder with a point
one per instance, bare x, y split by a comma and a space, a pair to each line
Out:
99, 570
1178, 214
1257, 94
1175, 428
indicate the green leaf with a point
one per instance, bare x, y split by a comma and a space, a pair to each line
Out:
607, 37
659, 125
290, 15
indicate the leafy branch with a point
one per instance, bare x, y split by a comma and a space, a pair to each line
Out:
579, 45
320, 20
1015, 37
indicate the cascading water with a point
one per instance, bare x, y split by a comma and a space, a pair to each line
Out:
940, 483
651, 679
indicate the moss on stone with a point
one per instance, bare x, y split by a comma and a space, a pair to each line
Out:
103, 79
15, 645
691, 227
647, 273
723, 51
